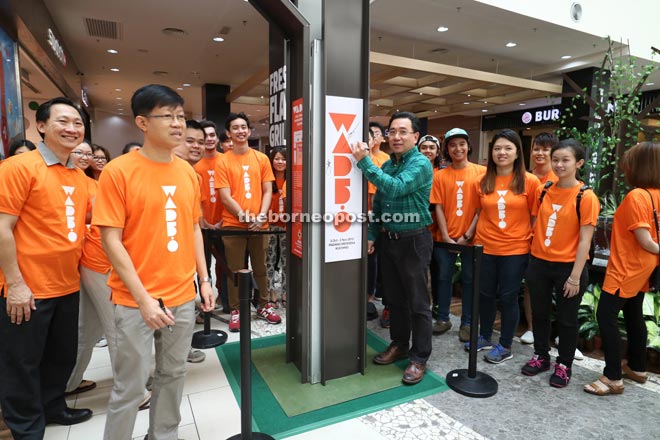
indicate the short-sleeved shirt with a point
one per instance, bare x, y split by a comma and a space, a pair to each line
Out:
212, 207
244, 175
51, 202
277, 201
504, 226
93, 255
454, 189
556, 231
629, 266
550, 176
157, 205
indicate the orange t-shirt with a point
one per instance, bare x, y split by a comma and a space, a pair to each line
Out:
455, 191
551, 176
556, 231
277, 202
378, 159
93, 255
51, 203
212, 207
629, 266
504, 226
157, 205
244, 175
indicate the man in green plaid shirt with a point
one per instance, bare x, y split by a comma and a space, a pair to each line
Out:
404, 242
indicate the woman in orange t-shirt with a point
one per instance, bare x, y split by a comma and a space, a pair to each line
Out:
506, 195
633, 256
560, 251
276, 256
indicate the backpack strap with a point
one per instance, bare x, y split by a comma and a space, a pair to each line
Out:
547, 185
578, 199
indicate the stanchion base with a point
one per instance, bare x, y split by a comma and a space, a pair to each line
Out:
210, 340
480, 386
255, 436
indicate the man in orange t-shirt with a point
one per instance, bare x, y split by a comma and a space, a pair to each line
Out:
212, 209
44, 202
148, 210
244, 178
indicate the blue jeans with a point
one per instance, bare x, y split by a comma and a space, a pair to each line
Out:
500, 281
445, 262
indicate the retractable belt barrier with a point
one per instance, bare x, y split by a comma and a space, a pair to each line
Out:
471, 382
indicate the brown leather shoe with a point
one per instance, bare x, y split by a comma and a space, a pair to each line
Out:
393, 353
414, 373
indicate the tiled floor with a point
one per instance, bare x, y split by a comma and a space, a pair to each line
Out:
209, 410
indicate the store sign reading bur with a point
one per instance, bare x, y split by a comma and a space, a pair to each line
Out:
541, 115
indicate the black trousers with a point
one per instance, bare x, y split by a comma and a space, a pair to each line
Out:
607, 314
36, 360
542, 277
403, 266
213, 245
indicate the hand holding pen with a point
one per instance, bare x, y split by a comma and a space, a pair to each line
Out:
167, 313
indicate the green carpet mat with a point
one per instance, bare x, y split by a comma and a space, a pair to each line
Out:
282, 406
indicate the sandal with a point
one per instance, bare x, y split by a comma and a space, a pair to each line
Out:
283, 300
85, 385
603, 387
632, 375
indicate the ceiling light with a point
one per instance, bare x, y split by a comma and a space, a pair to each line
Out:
112, 51
114, 69
466, 103
650, 84
117, 90
179, 88
420, 93
435, 111
484, 110
218, 39
469, 95
118, 97
186, 85
528, 128
485, 102
511, 44
522, 103
566, 57
443, 29
262, 96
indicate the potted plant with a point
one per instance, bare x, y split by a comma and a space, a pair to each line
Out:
587, 321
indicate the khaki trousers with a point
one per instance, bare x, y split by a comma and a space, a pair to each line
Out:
235, 247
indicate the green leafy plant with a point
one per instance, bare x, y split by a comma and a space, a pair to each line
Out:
588, 328
651, 312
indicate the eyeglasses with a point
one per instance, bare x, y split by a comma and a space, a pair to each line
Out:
394, 133
82, 154
100, 158
168, 118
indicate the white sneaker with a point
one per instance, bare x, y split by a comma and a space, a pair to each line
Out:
101, 343
578, 355
527, 337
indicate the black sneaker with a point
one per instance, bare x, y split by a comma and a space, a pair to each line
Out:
535, 365
561, 376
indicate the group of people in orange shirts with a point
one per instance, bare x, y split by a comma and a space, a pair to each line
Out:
538, 227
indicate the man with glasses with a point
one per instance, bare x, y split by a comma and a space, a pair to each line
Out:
148, 209
401, 213
44, 202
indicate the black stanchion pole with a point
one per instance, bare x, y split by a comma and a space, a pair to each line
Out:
244, 294
471, 382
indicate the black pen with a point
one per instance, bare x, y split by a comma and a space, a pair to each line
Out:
162, 307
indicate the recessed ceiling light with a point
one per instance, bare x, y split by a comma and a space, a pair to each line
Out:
118, 97
114, 69
117, 90
179, 88
522, 103
262, 96
566, 57
528, 128
484, 110
420, 93
466, 103
186, 85
511, 44
650, 84
485, 102
113, 51
435, 111
443, 29
218, 39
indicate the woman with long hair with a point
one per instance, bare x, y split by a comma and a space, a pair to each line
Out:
566, 213
633, 256
276, 256
505, 198
99, 161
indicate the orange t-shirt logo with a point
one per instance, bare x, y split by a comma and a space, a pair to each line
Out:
70, 213
170, 218
552, 220
246, 181
212, 184
501, 208
459, 198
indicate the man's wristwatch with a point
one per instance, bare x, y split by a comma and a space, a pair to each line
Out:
206, 280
